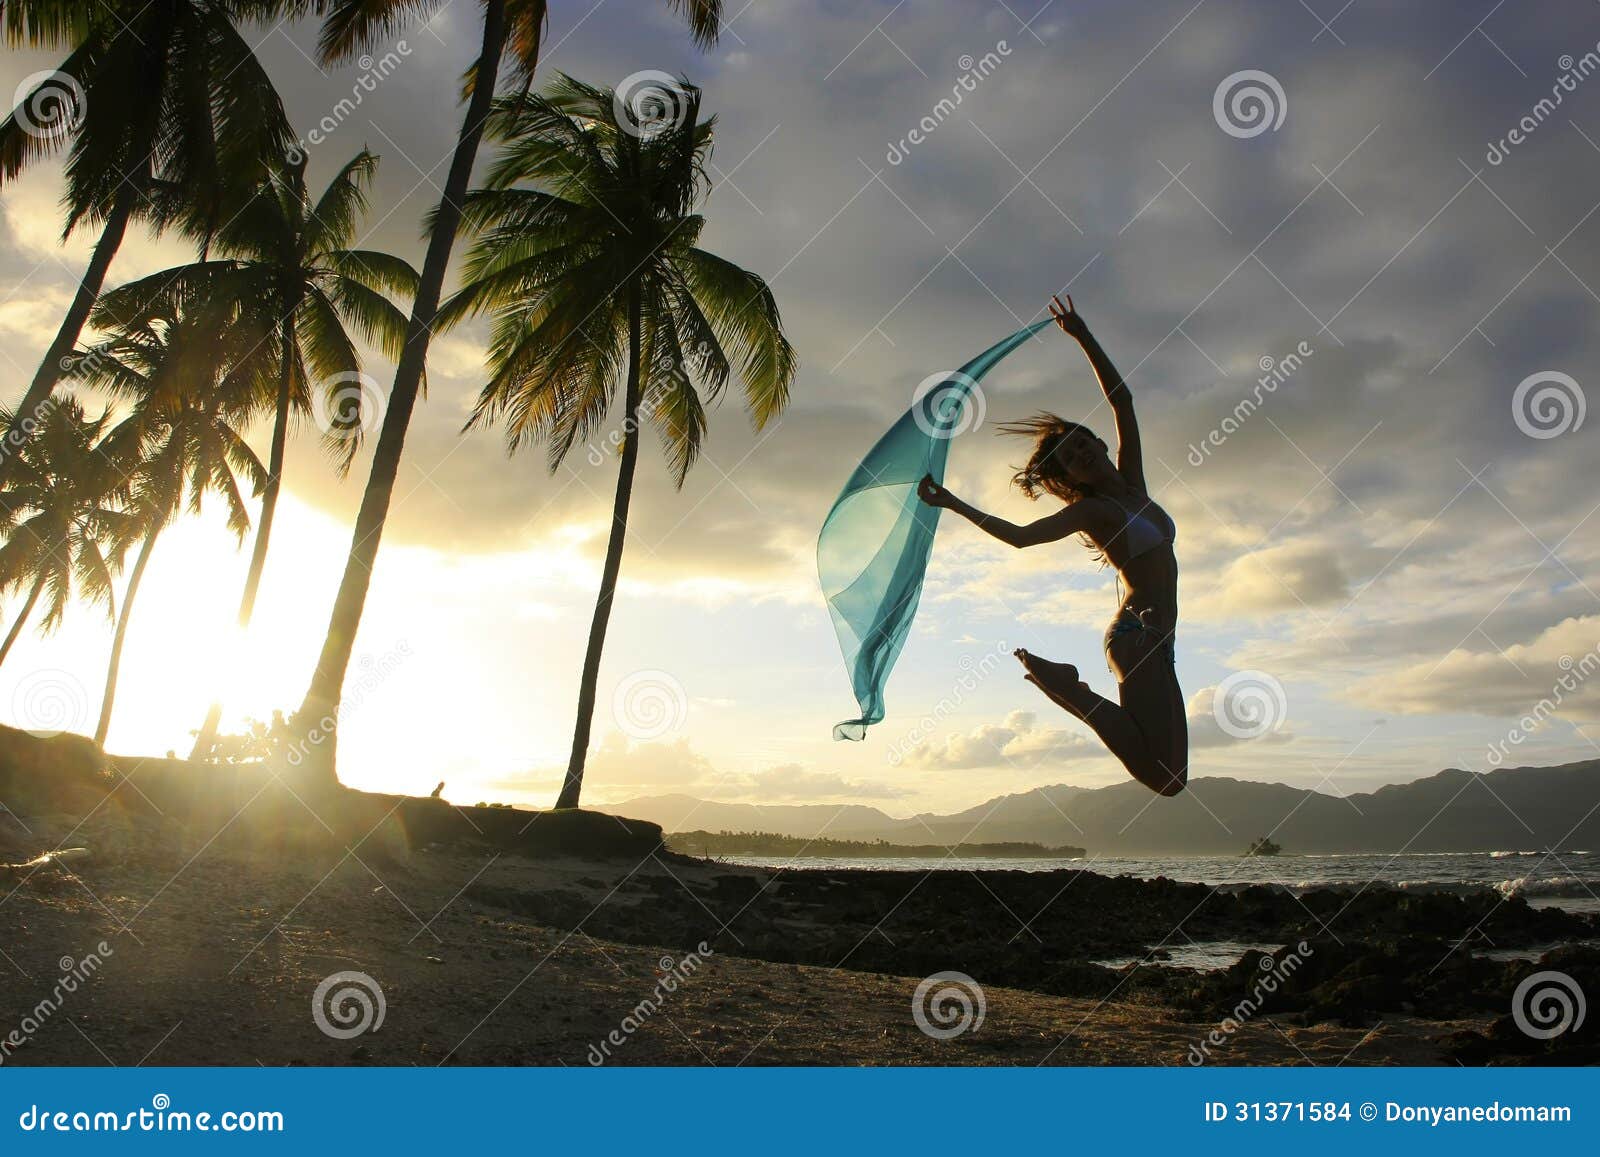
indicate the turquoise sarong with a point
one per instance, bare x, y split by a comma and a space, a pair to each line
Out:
873, 551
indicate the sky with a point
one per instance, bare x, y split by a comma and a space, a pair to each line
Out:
1344, 256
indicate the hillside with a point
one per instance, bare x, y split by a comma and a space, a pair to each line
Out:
1512, 809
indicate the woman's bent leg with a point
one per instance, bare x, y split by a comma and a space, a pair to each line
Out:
1153, 700
1112, 722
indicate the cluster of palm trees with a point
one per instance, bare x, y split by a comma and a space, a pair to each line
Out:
584, 255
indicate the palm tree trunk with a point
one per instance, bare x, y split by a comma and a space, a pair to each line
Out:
320, 709
573, 787
128, 596
22, 617
207, 735
49, 372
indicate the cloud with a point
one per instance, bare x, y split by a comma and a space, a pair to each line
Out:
1558, 666
792, 782
1205, 728
1264, 582
1019, 741
620, 767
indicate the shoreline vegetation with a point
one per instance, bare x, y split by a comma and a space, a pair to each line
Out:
712, 844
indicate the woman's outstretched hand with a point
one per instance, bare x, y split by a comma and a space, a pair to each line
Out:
1068, 318
932, 493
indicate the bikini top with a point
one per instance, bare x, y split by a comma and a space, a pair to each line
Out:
1145, 528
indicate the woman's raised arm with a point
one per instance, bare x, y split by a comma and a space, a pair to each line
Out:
1130, 453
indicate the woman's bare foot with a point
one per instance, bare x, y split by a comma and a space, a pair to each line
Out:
1047, 675
1059, 681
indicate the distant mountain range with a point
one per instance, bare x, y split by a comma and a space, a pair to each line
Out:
1511, 809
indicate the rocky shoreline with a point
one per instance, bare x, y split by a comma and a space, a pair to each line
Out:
1363, 955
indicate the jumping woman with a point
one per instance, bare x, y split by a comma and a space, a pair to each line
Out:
1110, 506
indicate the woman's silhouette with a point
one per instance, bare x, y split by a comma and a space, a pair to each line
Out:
1111, 507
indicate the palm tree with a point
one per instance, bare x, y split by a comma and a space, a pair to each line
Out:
289, 257
595, 280
195, 379
160, 105
61, 512
513, 27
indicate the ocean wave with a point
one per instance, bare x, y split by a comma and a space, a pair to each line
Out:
1552, 886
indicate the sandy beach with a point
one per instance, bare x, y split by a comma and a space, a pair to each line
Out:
210, 930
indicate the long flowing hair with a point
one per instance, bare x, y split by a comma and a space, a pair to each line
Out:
1045, 473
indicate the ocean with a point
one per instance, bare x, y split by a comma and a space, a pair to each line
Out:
1565, 879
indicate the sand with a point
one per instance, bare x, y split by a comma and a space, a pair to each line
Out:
215, 953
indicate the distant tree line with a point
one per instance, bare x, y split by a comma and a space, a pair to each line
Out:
703, 843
